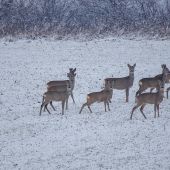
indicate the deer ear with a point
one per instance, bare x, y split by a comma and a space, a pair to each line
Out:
128, 65
163, 65
74, 70
134, 65
75, 74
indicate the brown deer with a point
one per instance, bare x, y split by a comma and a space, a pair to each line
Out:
167, 80
50, 96
59, 88
150, 98
102, 96
152, 82
71, 75
123, 83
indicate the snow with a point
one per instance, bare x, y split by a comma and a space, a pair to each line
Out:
101, 140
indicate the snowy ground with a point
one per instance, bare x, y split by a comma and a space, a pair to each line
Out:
97, 141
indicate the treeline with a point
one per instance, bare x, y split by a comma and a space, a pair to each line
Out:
63, 17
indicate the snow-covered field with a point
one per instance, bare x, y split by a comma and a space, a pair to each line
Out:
97, 141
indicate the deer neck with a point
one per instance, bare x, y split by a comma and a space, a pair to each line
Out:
72, 83
164, 77
131, 75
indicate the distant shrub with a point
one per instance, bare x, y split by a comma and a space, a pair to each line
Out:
63, 17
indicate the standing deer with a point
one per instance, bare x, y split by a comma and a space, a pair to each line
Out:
71, 75
50, 96
152, 82
123, 83
59, 88
102, 96
167, 80
150, 98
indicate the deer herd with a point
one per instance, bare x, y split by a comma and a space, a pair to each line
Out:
60, 90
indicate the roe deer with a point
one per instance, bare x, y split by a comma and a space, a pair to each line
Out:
63, 82
149, 98
50, 96
167, 80
123, 83
59, 88
102, 96
152, 82
71, 75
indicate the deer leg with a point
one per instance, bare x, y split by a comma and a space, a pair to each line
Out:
72, 97
151, 90
47, 108
167, 90
85, 104
63, 103
52, 105
127, 95
43, 100
158, 109
141, 89
41, 108
134, 110
89, 108
67, 104
141, 109
105, 106
108, 105
44, 108
155, 110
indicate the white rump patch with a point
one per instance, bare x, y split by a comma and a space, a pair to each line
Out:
140, 83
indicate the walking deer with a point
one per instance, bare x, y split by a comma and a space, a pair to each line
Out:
71, 75
102, 96
50, 96
123, 83
152, 82
149, 98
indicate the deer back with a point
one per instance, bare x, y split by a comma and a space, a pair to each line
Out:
57, 88
152, 98
101, 96
120, 83
147, 98
123, 82
149, 82
55, 96
58, 83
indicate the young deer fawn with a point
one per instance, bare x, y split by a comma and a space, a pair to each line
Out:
71, 75
150, 98
123, 83
152, 82
50, 96
102, 96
